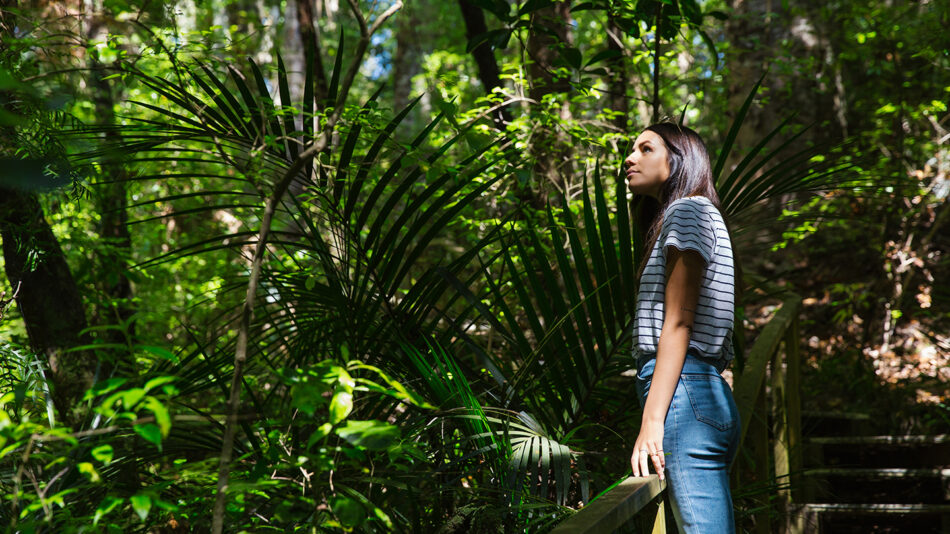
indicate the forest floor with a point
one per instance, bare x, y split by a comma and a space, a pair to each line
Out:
904, 385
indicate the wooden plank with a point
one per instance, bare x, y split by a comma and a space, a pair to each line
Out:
910, 439
793, 407
760, 444
614, 508
659, 526
748, 384
780, 426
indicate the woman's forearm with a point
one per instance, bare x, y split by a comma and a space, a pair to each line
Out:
670, 355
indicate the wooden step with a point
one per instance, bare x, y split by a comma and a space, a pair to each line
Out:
827, 423
838, 518
911, 451
868, 485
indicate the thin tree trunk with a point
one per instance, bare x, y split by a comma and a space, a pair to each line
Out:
488, 72
112, 206
406, 59
550, 149
310, 38
617, 81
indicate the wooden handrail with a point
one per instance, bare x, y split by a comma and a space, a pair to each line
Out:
747, 385
626, 502
613, 509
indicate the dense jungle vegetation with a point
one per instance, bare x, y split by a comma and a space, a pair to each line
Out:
349, 265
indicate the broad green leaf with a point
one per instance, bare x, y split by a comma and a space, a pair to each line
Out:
131, 397
87, 469
141, 504
341, 406
162, 417
372, 434
307, 396
348, 511
150, 432
106, 506
104, 386
319, 434
159, 381
103, 453
163, 353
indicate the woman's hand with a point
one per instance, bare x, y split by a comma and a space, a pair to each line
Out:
649, 445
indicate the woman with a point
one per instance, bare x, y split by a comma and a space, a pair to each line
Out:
684, 324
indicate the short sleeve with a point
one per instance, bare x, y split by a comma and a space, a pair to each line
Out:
687, 227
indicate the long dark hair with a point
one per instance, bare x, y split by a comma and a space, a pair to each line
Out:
690, 175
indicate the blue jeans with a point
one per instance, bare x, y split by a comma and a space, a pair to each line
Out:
700, 439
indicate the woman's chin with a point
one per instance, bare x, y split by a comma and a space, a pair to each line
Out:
636, 189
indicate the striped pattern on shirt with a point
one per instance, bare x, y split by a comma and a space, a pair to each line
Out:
691, 223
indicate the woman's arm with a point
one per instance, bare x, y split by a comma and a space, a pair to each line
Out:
684, 270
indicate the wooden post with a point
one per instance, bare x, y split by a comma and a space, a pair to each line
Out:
780, 435
659, 526
759, 433
793, 410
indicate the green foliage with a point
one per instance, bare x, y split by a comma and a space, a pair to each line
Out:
426, 351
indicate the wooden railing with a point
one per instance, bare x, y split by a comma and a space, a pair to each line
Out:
638, 502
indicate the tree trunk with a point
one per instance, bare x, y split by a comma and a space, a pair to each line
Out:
549, 147
617, 76
48, 299
47, 296
407, 57
112, 206
488, 72
310, 38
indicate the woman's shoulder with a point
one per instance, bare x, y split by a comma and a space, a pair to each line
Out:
689, 206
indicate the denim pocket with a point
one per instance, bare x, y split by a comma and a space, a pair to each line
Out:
709, 396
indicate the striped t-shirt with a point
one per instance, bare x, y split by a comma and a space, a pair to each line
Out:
691, 223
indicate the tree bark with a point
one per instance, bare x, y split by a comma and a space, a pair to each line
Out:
49, 299
112, 206
407, 58
484, 55
549, 147
617, 76
310, 38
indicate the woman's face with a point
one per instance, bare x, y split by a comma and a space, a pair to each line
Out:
648, 166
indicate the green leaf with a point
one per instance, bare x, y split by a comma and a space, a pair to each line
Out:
103, 453
348, 511
319, 434
104, 386
131, 397
373, 435
158, 381
307, 395
162, 417
341, 406
572, 56
89, 470
161, 353
602, 55
106, 506
141, 504
534, 5
150, 432
497, 39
